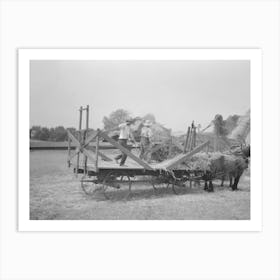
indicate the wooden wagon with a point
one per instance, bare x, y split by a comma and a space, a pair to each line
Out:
101, 174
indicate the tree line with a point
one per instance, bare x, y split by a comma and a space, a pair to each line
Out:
57, 134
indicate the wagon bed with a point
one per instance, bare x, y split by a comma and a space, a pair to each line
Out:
102, 173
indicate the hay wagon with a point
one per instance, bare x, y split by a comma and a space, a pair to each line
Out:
101, 174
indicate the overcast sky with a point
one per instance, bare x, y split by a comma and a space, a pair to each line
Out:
176, 92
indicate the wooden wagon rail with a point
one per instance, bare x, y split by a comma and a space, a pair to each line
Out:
101, 173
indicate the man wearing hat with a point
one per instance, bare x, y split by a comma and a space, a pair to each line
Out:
146, 139
125, 134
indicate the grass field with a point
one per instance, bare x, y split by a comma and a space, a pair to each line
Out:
55, 194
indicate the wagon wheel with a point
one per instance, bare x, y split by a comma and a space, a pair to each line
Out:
159, 183
153, 185
112, 190
89, 186
128, 187
177, 186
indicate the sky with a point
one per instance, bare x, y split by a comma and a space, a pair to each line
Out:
175, 92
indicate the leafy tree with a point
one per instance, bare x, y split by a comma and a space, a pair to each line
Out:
115, 118
60, 133
45, 133
150, 117
52, 134
35, 132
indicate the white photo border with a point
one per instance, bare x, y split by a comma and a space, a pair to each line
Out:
24, 58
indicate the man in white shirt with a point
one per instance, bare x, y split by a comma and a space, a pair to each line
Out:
146, 139
125, 135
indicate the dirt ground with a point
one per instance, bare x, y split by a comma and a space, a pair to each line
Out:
55, 194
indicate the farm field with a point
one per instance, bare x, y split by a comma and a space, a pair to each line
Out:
55, 194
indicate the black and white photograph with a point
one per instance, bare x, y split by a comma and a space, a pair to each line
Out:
140, 139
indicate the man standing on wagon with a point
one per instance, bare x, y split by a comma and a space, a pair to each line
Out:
146, 139
125, 135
